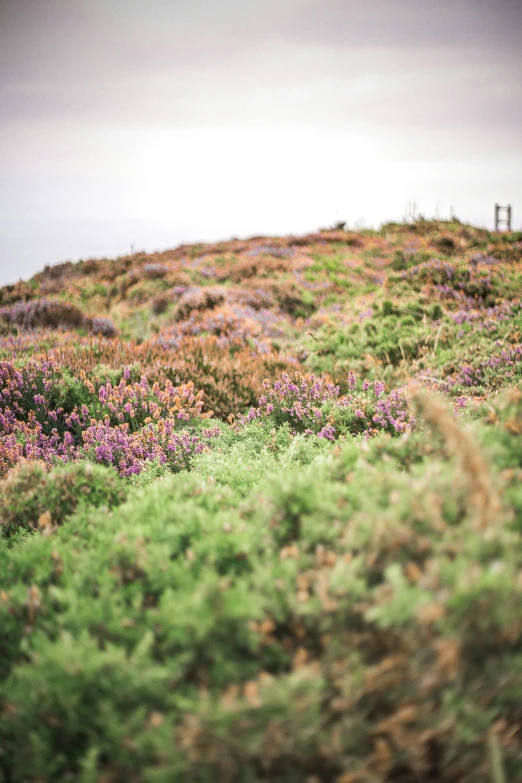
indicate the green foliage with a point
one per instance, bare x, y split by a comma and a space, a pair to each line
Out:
289, 609
97, 289
402, 260
31, 497
393, 335
355, 581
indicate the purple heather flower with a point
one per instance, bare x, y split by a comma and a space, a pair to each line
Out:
378, 388
327, 432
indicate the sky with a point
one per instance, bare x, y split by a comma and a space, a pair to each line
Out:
142, 124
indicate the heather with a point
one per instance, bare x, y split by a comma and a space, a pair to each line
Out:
260, 512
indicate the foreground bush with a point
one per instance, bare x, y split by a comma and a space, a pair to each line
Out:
32, 498
290, 610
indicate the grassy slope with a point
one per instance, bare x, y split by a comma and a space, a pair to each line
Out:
290, 608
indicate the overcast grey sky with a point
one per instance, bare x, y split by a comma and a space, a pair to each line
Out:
153, 122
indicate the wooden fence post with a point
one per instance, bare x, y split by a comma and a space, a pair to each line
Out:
502, 221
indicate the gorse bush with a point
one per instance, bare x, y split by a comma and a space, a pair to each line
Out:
34, 498
241, 540
370, 596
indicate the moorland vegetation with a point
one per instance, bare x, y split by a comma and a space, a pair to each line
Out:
261, 512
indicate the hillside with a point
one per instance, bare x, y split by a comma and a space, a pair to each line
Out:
261, 512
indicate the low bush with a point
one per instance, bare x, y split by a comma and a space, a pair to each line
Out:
33, 498
198, 299
269, 617
231, 378
44, 313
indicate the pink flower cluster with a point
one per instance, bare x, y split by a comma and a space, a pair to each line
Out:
433, 269
314, 407
503, 364
136, 403
125, 424
129, 424
129, 452
234, 326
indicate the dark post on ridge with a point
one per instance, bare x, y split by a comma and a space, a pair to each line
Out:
502, 220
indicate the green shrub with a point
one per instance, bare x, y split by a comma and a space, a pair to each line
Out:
276, 615
32, 498
388, 307
435, 311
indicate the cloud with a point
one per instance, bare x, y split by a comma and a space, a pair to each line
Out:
287, 85
105, 41
403, 66
262, 115
406, 24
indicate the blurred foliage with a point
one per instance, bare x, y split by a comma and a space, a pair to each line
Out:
323, 582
